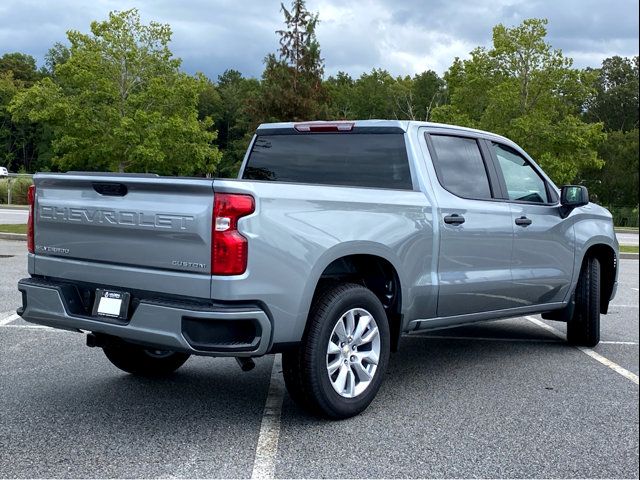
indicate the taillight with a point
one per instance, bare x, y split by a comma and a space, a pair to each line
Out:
229, 248
31, 198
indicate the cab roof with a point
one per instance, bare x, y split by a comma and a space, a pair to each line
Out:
403, 125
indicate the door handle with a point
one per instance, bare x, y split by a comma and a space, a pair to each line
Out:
523, 221
454, 219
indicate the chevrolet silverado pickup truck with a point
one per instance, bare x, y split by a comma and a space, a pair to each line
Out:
335, 239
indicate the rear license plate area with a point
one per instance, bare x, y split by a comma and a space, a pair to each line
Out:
111, 304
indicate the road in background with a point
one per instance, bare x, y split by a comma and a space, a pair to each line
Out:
627, 238
498, 399
13, 216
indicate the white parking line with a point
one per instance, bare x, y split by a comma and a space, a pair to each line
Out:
623, 306
37, 327
9, 319
508, 339
596, 356
264, 463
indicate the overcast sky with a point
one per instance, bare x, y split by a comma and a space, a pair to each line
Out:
403, 36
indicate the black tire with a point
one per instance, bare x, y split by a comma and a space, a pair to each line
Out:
138, 360
583, 329
305, 368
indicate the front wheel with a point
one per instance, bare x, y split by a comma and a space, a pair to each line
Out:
142, 361
583, 329
338, 369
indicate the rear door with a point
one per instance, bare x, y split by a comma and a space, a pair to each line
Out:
543, 251
476, 232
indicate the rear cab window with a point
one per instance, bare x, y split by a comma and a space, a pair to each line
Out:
374, 160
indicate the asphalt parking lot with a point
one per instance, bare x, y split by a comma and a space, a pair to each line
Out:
501, 399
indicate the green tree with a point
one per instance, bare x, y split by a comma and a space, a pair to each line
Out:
615, 102
21, 147
340, 96
234, 122
57, 55
22, 66
292, 86
8, 90
374, 96
377, 94
119, 102
18, 140
428, 91
526, 90
617, 183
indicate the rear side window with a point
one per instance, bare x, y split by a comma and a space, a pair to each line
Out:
460, 167
353, 159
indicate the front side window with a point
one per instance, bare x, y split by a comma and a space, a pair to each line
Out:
460, 167
523, 182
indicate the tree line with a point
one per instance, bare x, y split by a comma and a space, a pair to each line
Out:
115, 99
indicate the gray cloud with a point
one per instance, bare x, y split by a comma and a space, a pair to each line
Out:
403, 36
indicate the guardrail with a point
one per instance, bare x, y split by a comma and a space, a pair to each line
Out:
11, 181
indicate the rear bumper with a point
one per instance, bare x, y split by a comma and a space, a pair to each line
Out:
214, 330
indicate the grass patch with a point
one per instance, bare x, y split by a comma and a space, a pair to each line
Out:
629, 248
22, 207
10, 228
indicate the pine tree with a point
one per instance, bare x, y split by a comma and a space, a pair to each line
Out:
292, 80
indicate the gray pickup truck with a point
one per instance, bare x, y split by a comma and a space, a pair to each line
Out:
337, 238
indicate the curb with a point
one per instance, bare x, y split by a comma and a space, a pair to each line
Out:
629, 256
13, 236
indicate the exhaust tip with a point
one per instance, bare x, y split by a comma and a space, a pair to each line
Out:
246, 363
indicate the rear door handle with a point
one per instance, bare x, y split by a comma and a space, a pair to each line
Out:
523, 221
454, 219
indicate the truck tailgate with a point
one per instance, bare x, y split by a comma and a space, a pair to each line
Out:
138, 221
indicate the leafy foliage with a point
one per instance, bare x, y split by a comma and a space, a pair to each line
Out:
19, 189
377, 94
615, 102
119, 102
22, 67
234, 120
20, 141
292, 86
617, 182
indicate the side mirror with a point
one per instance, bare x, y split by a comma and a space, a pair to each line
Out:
573, 196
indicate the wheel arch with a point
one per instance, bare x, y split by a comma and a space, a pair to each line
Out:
608, 259
374, 266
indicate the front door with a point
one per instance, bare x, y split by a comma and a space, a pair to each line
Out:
543, 247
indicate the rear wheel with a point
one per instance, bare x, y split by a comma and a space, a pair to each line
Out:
338, 369
583, 329
138, 360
